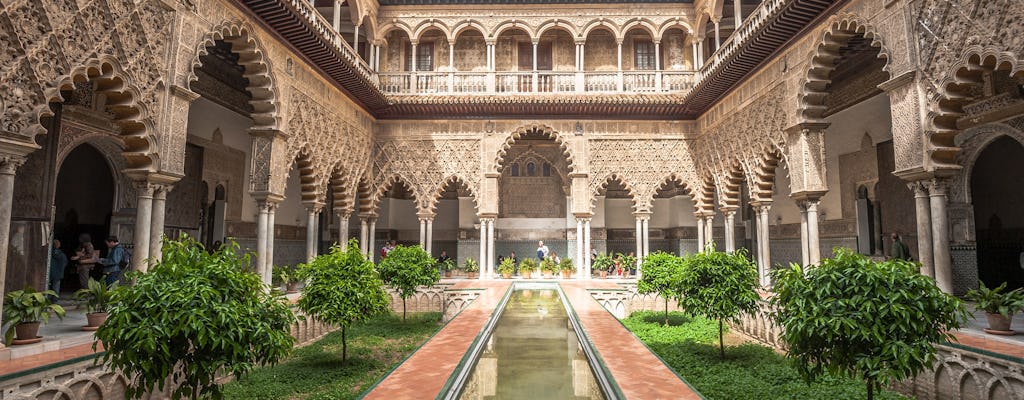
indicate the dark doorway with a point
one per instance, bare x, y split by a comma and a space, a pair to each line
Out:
83, 204
996, 194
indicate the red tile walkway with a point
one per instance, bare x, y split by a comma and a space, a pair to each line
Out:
50, 357
979, 341
424, 374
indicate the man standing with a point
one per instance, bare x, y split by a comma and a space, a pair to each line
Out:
58, 263
900, 250
542, 250
114, 261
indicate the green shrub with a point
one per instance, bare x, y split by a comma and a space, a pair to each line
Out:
470, 265
193, 316
660, 273
603, 262
407, 268
995, 301
507, 266
868, 320
719, 286
566, 264
528, 264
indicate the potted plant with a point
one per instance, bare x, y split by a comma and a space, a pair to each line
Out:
567, 267
998, 305
506, 268
547, 267
448, 266
628, 264
286, 275
526, 267
471, 268
96, 298
602, 264
24, 310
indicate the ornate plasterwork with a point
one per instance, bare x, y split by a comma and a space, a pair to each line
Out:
537, 128
120, 45
426, 166
642, 166
972, 142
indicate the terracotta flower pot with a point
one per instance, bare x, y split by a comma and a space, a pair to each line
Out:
94, 320
602, 274
998, 324
546, 275
471, 275
566, 274
447, 274
26, 331
506, 275
526, 274
292, 287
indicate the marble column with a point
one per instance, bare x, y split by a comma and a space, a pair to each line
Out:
430, 235
587, 249
764, 259
490, 245
940, 235
343, 228
143, 225
737, 11
423, 233
580, 244
813, 237
8, 166
371, 246
268, 268
364, 228
156, 230
718, 36
804, 254
709, 229
262, 231
730, 230
483, 248
922, 207
647, 235
312, 214
700, 233
639, 238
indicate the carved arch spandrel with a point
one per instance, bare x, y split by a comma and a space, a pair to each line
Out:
424, 163
547, 131
643, 164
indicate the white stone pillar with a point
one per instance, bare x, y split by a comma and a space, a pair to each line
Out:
580, 244
376, 59
423, 233
312, 212
813, 238
143, 225
730, 230
156, 230
639, 238
940, 236
693, 47
337, 16
490, 245
268, 268
430, 235
647, 235
709, 228
535, 56
737, 11
451, 67
587, 248
371, 240
364, 238
261, 238
483, 248
804, 252
700, 53
412, 68
922, 207
355, 41
763, 243
718, 37
700, 234
657, 55
343, 228
8, 166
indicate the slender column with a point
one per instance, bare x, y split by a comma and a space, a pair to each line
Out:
700, 233
804, 256
364, 229
693, 46
261, 238
737, 10
730, 230
491, 65
337, 16
372, 239
924, 228
412, 48
355, 41
534, 82
586, 248
647, 235
490, 245
813, 239
343, 228
534, 56
577, 59
430, 235
451, 67
579, 247
483, 248
156, 230
639, 238
763, 243
268, 268
940, 235
709, 228
8, 166
423, 233
700, 52
657, 55
312, 212
718, 37
143, 224
376, 59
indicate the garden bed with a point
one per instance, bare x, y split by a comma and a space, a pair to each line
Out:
316, 371
750, 371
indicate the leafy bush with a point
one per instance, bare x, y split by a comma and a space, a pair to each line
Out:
342, 288
603, 262
193, 316
566, 264
719, 286
867, 320
28, 305
470, 265
407, 268
661, 273
995, 301
507, 266
96, 297
547, 265
528, 264
284, 274
448, 265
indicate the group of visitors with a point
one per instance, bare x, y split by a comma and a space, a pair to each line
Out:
390, 245
88, 262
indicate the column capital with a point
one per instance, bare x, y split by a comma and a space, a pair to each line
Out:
808, 196
920, 188
267, 198
426, 215
642, 215
807, 128
313, 207
936, 186
9, 163
582, 216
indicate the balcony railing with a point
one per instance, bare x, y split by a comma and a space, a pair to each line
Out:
507, 82
751, 24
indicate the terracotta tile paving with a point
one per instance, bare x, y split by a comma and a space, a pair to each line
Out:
978, 341
424, 374
630, 362
41, 359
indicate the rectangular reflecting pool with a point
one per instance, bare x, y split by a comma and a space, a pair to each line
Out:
533, 352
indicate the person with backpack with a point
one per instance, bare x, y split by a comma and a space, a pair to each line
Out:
116, 260
900, 250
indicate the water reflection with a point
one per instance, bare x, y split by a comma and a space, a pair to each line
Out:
533, 353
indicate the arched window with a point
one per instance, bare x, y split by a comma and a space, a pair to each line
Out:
515, 169
547, 169
531, 170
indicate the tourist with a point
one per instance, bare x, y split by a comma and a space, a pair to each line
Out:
85, 257
215, 247
900, 250
114, 261
617, 270
630, 269
542, 250
387, 248
441, 260
58, 262
554, 257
